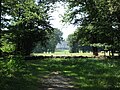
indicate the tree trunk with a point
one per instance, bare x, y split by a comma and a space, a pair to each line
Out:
95, 51
109, 53
94, 40
119, 30
112, 51
104, 53
119, 54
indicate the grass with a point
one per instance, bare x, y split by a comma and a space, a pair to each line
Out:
63, 53
88, 74
15, 77
66, 53
85, 74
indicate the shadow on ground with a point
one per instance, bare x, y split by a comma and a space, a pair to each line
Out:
77, 74
67, 74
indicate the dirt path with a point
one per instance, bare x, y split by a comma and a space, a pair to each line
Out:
55, 81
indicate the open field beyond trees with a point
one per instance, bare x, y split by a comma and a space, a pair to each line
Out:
67, 53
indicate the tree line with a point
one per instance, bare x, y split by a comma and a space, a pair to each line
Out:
29, 23
24, 23
98, 24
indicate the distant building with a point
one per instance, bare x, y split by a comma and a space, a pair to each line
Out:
62, 46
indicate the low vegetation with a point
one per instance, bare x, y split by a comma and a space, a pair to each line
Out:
25, 26
90, 74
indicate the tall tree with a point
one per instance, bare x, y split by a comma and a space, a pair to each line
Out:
54, 38
97, 19
29, 23
73, 43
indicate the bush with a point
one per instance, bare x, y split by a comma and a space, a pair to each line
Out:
11, 68
11, 64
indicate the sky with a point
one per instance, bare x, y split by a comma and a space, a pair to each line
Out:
56, 22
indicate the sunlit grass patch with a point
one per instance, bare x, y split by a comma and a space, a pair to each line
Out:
84, 73
88, 72
64, 53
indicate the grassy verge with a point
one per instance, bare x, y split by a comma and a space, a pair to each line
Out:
87, 74
90, 74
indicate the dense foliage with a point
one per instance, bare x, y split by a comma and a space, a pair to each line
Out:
50, 45
28, 23
23, 24
98, 22
73, 44
77, 46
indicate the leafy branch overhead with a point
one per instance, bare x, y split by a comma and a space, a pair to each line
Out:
98, 22
29, 23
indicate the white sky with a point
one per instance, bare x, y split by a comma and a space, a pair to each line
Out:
56, 22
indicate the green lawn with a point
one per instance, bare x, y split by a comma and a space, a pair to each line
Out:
85, 74
66, 53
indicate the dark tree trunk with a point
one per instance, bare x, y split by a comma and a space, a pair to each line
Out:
104, 53
109, 53
112, 51
118, 16
95, 51
118, 53
94, 40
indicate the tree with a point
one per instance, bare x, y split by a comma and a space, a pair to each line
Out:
73, 44
54, 38
98, 20
29, 23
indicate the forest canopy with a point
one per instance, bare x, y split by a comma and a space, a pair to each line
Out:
23, 24
98, 23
